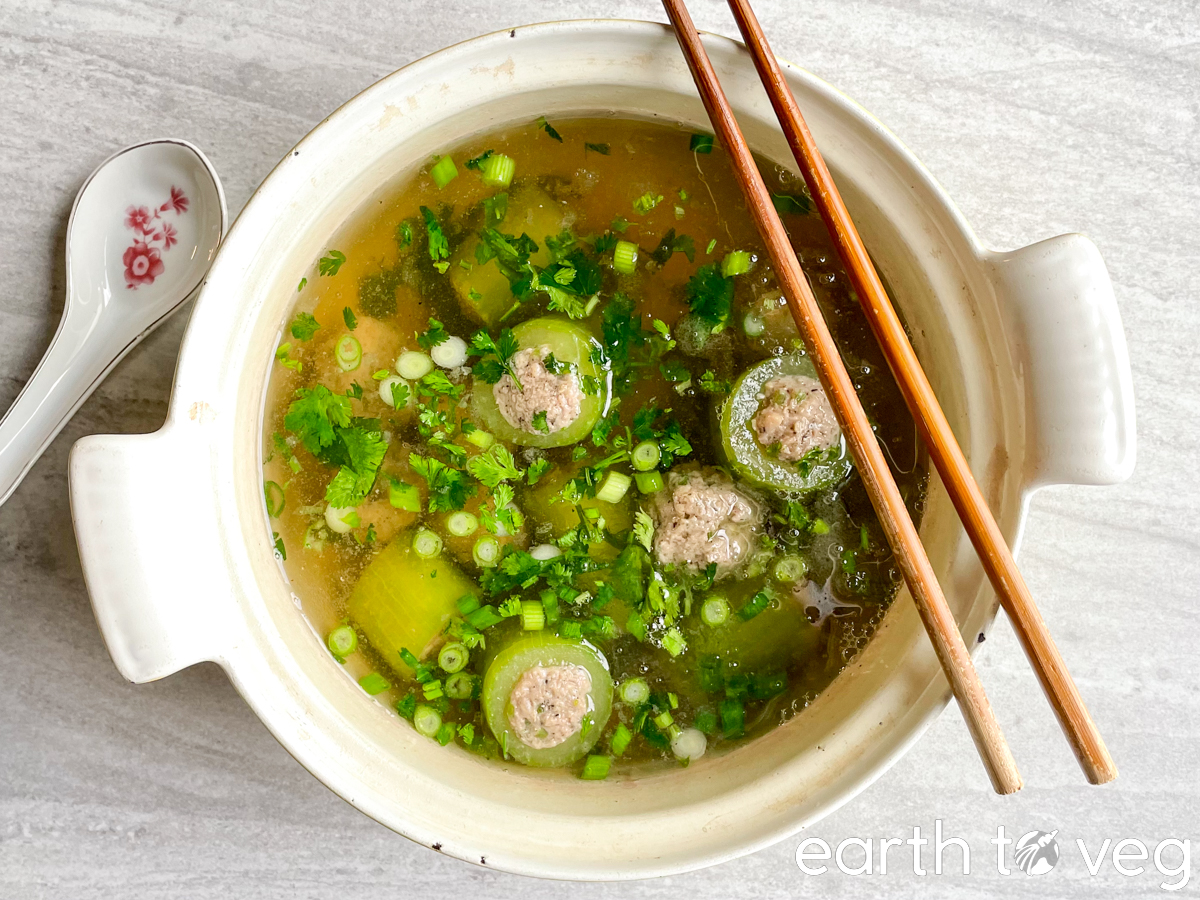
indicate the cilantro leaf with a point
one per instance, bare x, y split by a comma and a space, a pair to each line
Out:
710, 383
536, 470
791, 203
671, 244
549, 129
331, 262
439, 248
476, 162
349, 318
493, 467
539, 422
436, 334
501, 350
643, 530
710, 296
304, 326
602, 149
449, 488
314, 414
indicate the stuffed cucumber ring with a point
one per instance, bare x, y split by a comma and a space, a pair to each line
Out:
559, 392
547, 699
779, 431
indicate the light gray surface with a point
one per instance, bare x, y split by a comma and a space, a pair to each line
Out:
1038, 117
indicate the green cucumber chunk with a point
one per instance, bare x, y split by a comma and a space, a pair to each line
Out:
754, 463
506, 669
571, 344
402, 601
483, 290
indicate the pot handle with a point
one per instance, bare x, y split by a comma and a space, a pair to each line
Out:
1069, 343
150, 561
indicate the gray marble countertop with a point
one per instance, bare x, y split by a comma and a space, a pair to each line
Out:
1039, 118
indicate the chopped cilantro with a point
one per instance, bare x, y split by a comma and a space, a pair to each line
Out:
301, 285
331, 262
711, 384
404, 235
548, 128
304, 326
710, 296
495, 209
355, 391
449, 488
476, 162
494, 466
315, 414
701, 143
436, 334
619, 224
671, 244
439, 249
539, 422
349, 318
643, 530
602, 149
790, 203
365, 448
536, 470
496, 356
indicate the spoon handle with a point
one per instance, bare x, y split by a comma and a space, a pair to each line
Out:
79, 356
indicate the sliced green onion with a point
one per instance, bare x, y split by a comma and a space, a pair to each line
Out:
481, 439
621, 737
864, 539
790, 569
453, 657
614, 487
450, 353
736, 262
545, 552
498, 170
649, 482
443, 172
348, 353
689, 744
275, 499
460, 686
595, 768
427, 720
753, 325
706, 721
342, 641
374, 683
405, 496
462, 524
715, 611
550, 605
432, 689
664, 720
426, 544
533, 615
733, 718
625, 256
635, 691
467, 603
757, 604
645, 456
392, 388
486, 551
341, 519
414, 365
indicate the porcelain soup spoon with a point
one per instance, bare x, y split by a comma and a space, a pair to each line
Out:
143, 231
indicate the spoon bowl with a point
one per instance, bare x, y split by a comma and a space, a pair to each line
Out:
143, 231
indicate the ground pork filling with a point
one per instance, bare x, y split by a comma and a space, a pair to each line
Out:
700, 521
548, 703
558, 396
795, 417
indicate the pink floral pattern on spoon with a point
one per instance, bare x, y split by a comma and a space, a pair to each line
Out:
152, 235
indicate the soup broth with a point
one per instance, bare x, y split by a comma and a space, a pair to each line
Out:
547, 464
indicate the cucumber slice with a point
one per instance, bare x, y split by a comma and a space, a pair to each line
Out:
403, 601
483, 290
570, 343
506, 669
749, 459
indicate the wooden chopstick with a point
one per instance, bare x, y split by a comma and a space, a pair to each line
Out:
872, 466
935, 431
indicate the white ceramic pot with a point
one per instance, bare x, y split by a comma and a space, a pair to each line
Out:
1025, 350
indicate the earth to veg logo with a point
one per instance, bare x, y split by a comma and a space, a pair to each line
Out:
1036, 853
1033, 854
